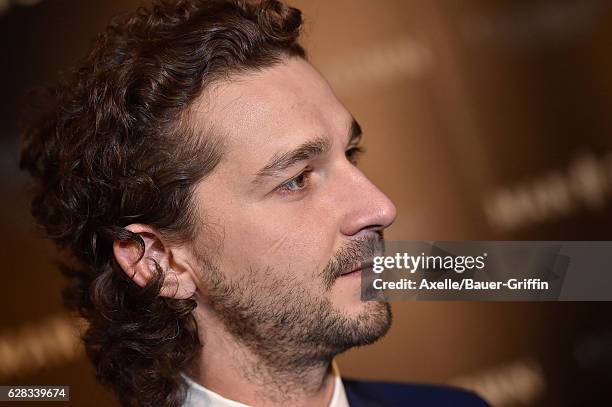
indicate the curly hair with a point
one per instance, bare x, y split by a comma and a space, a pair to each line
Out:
115, 145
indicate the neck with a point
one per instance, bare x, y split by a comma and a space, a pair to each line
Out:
232, 369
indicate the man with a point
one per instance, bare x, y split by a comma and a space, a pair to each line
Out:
202, 173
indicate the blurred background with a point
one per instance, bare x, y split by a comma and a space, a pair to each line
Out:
483, 120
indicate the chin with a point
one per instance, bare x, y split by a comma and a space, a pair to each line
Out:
371, 321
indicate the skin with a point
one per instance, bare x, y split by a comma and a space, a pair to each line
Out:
265, 243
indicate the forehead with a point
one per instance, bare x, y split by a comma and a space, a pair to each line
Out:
276, 107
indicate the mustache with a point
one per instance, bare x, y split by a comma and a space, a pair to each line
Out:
351, 255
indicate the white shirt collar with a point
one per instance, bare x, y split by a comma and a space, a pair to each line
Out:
200, 396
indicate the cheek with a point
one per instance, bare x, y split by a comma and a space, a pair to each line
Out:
290, 239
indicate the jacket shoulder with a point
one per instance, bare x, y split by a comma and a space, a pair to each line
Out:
363, 393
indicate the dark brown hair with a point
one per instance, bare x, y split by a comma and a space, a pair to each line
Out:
115, 145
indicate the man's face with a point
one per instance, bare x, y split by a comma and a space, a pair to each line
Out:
286, 211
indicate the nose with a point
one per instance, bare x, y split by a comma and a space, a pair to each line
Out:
367, 207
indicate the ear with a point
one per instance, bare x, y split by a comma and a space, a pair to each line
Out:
178, 279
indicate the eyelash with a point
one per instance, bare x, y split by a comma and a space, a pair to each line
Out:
305, 175
352, 154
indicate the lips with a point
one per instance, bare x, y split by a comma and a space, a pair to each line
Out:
361, 266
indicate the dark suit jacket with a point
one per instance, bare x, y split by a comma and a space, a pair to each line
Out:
384, 394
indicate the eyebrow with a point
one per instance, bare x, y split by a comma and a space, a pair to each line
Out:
306, 151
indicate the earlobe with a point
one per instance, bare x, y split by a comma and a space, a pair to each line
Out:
178, 283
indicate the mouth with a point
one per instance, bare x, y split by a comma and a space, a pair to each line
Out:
356, 272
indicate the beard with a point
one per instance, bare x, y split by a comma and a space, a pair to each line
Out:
288, 327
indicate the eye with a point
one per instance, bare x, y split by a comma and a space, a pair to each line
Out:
297, 183
353, 154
